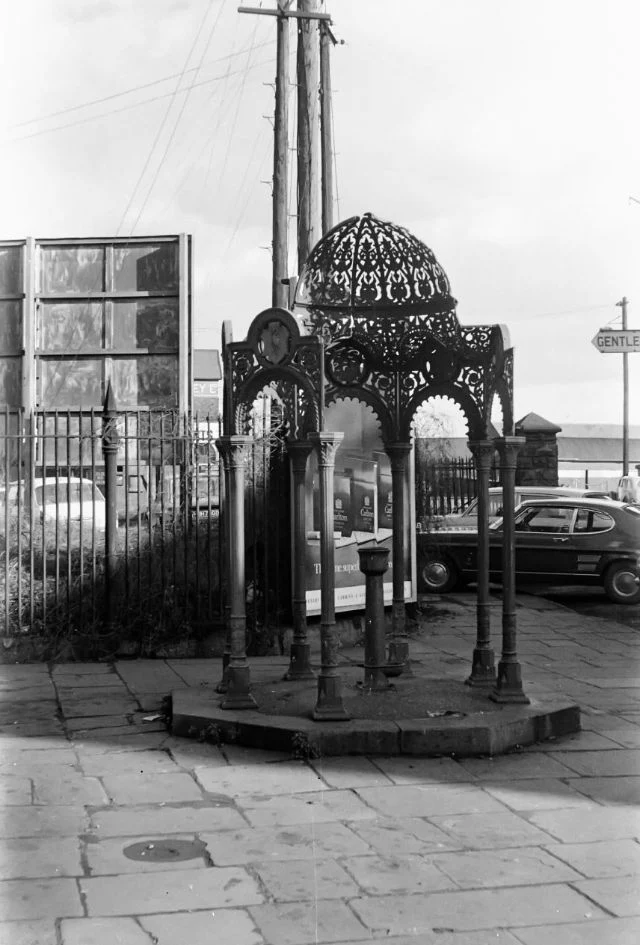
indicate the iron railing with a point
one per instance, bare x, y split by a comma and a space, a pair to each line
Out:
61, 474
446, 486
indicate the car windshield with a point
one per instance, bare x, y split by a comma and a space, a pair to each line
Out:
63, 492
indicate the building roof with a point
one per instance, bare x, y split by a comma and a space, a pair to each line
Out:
595, 449
534, 423
206, 365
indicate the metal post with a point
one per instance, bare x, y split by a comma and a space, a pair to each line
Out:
300, 657
329, 704
625, 393
373, 564
398, 453
509, 681
238, 696
110, 444
483, 670
225, 571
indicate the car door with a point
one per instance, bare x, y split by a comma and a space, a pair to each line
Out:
545, 550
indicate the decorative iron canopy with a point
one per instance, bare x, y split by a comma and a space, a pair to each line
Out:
275, 356
368, 266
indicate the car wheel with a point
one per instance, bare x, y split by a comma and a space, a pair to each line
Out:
439, 575
622, 583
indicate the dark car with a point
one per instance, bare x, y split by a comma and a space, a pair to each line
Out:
558, 541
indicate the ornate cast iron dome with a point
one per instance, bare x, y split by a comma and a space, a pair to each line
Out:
368, 266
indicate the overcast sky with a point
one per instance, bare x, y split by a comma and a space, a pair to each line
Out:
503, 133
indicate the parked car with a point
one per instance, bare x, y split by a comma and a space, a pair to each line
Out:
469, 517
57, 500
628, 489
557, 541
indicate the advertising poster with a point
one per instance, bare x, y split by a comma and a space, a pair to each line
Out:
363, 509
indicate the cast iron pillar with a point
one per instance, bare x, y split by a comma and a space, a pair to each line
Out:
225, 570
399, 646
509, 681
373, 563
329, 705
300, 657
483, 669
234, 454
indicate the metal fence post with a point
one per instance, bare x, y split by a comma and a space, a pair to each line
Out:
110, 444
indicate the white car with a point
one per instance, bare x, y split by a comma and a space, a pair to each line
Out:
469, 518
57, 501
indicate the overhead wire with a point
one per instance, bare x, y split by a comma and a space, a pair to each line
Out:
127, 108
179, 116
136, 88
214, 136
237, 112
163, 122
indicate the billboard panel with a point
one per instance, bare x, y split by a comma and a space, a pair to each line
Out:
362, 510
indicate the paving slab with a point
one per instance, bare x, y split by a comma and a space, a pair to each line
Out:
619, 895
407, 873
396, 836
350, 772
39, 898
220, 926
165, 820
302, 880
169, 891
36, 821
607, 763
441, 937
601, 858
298, 842
573, 826
310, 808
68, 788
153, 787
305, 923
542, 794
474, 909
599, 932
29, 932
286, 778
15, 790
103, 932
24, 858
406, 769
491, 830
418, 800
522, 866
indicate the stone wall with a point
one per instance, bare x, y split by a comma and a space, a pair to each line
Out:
538, 458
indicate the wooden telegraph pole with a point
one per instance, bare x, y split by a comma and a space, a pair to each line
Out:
326, 127
309, 222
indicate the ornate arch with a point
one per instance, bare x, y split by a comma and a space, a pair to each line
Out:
274, 355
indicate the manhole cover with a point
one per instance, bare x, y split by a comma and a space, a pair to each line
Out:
165, 851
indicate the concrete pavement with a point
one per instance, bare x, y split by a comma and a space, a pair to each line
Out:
540, 847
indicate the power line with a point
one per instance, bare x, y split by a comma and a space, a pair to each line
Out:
180, 114
136, 88
146, 101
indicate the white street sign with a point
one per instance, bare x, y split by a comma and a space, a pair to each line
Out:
613, 341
